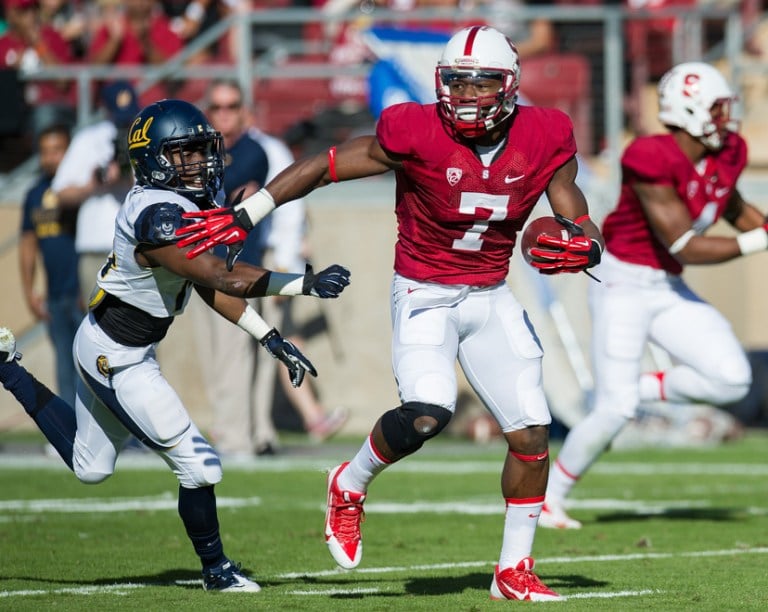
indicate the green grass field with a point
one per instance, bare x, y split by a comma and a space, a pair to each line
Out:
664, 530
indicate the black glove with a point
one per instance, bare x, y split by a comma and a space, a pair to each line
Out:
286, 351
328, 283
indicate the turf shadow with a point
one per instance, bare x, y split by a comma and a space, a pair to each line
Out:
482, 581
686, 514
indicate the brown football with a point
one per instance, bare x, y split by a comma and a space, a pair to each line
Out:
537, 227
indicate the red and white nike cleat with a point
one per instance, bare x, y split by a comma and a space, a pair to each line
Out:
555, 517
342, 522
521, 583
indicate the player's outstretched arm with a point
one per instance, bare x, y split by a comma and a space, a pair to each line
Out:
245, 280
156, 230
357, 158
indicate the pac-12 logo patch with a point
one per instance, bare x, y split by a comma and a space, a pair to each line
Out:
453, 175
102, 365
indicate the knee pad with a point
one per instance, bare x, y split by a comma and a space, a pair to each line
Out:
194, 461
407, 427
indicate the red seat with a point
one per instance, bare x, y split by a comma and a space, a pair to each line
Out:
561, 80
281, 103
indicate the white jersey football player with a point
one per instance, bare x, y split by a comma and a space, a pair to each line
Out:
144, 284
674, 187
469, 170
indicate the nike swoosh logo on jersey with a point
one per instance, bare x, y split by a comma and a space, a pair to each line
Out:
411, 290
719, 193
513, 179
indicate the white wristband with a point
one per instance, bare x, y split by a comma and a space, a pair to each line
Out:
251, 322
257, 206
753, 241
285, 284
679, 244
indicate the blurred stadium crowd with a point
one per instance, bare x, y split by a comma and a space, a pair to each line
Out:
341, 41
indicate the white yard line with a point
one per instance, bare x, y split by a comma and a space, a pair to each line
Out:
13, 509
393, 569
166, 501
122, 589
149, 461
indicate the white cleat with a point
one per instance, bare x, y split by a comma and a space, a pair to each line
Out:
554, 517
228, 578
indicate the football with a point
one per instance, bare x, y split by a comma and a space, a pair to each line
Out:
537, 227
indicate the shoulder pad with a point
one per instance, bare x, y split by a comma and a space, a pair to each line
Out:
157, 223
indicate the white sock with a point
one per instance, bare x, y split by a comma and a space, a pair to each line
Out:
559, 485
582, 447
362, 469
652, 386
520, 521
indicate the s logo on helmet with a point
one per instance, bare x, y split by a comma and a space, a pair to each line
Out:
137, 136
453, 175
691, 87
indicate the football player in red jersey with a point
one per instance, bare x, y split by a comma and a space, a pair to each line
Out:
469, 170
674, 187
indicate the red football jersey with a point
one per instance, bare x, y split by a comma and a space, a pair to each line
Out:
458, 219
704, 189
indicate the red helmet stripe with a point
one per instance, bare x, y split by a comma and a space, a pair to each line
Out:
471, 40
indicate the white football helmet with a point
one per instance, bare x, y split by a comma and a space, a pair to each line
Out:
687, 94
478, 52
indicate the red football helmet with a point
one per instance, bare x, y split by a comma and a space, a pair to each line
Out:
477, 53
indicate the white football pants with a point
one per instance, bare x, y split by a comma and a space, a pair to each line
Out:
633, 305
122, 391
490, 334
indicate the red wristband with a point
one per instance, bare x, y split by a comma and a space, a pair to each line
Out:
332, 164
580, 220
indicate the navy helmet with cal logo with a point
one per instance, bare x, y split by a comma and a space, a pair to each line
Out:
162, 144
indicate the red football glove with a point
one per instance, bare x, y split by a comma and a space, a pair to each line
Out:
576, 254
217, 226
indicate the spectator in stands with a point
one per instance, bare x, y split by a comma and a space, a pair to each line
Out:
288, 251
237, 416
132, 32
243, 400
68, 19
190, 19
94, 177
29, 45
532, 38
48, 232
